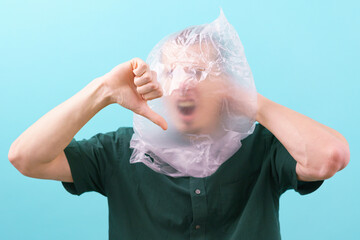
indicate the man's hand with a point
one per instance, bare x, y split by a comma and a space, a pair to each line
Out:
132, 84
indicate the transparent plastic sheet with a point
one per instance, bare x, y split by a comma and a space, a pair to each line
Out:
209, 102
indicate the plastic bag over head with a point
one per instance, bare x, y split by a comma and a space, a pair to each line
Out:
209, 102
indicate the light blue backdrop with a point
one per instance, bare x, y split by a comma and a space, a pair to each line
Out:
303, 54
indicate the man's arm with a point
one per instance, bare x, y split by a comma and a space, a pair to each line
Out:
319, 150
39, 151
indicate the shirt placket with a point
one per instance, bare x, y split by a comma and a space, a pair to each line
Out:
199, 208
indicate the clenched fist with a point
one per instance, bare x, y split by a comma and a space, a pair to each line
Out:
131, 85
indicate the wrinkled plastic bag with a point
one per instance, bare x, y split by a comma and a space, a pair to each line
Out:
209, 102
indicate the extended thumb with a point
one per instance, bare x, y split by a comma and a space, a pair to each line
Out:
147, 112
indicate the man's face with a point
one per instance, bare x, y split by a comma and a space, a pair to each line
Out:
193, 93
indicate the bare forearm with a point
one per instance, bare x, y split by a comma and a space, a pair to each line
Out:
312, 144
47, 137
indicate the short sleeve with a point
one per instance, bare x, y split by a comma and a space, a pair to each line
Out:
283, 167
90, 164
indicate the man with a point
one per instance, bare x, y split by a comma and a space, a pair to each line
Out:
237, 197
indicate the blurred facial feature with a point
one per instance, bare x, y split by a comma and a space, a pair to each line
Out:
193, 95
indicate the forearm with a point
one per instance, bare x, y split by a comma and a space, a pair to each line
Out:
47, 137
319, 150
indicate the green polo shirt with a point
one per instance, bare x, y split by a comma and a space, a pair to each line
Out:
239, 201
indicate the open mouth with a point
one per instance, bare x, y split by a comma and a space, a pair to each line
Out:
187, 107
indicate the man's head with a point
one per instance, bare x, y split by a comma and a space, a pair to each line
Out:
193, 81
200, 70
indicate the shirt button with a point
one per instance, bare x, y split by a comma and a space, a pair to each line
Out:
197, 191
197, 227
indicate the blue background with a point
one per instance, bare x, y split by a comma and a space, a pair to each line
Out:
303, 54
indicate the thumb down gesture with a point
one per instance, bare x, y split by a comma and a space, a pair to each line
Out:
132, 84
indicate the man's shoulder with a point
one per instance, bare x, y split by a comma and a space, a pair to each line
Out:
260, 133
122, 133
121, 136
116, 145
112, 139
